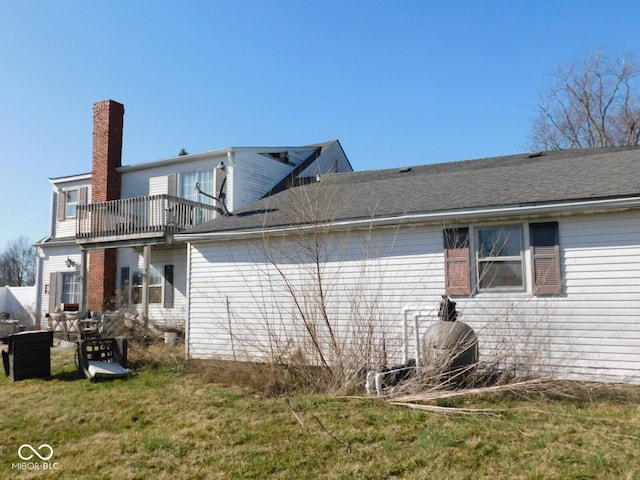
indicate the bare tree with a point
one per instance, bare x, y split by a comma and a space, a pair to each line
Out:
592, 103
17, 263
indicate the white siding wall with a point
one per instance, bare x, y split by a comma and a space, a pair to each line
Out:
251, 176
239, 305
152, 181
19, 302
54, 261
331, 161
67, 227
159, 185
593, 329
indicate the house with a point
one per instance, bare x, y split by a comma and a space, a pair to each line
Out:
541, 253
112, 240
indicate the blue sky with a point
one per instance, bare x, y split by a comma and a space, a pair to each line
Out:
397, 82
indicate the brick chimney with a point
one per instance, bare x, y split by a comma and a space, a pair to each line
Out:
108, 120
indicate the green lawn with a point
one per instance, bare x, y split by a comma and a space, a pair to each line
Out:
170, 423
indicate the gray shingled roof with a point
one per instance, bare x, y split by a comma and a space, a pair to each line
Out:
559, 176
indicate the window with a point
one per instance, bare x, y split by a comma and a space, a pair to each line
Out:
70, 288
160, 286
68, 201
73, 198
155, 285
499, 257
187, 186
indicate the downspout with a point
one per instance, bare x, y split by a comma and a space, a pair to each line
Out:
39, 282
40, 259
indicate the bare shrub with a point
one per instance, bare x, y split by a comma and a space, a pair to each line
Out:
314, 306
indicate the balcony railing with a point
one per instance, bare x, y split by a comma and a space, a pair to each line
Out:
139, 217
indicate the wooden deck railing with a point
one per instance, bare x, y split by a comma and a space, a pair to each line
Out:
140, 216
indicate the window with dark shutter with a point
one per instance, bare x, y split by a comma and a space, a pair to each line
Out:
124, 286
62, 205
456, 257
53, 290
168, 286
545, 252
172, 185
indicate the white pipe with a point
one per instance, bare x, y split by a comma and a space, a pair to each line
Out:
405, 334
367, 386
376, 378
417, 338
418, 311
379, 378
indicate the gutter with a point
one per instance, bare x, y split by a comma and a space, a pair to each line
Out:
457, 216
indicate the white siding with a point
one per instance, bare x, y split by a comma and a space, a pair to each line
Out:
153, 180
239, 305
332, 160
55, 261
67, 228
252, 176
159, 185
593, 329
19, 303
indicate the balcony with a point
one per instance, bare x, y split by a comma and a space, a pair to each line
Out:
152, 219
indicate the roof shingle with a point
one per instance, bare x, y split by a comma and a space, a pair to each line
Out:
557, 176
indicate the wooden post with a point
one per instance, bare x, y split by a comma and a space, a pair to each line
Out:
146, 253
83, 281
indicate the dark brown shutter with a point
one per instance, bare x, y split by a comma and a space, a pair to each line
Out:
168, 286
84, 191
172, 185
53, 277
545, 252
62, 204
457, 272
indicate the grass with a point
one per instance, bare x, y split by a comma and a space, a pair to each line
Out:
171, 421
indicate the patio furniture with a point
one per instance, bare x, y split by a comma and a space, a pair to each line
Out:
90, 325
28, 355
103, 358
65, 325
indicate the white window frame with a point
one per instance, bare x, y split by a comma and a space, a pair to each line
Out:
70, 279
135, 290
191, 193
71, 213
488, 259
